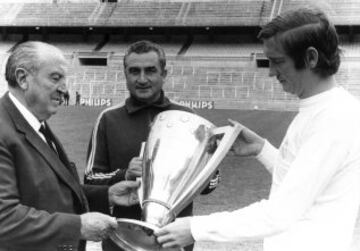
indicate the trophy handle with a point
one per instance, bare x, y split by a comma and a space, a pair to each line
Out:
230, 133
140, 188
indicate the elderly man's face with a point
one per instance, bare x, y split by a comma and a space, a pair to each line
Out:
144, 76
46, 85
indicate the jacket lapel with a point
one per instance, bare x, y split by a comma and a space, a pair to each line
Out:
62, 155
62, 171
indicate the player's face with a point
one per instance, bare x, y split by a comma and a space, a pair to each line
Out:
283, 68
144, 76
46, 86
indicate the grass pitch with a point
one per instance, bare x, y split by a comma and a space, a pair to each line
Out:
244, 180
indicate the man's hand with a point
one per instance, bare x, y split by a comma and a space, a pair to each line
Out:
248, 143
96, 226
135, 169
124, 193
176, 234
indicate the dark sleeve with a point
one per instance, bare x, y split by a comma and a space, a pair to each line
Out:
215, 180
97, 170
98, 198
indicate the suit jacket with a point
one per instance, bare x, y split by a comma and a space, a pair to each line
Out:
40, 196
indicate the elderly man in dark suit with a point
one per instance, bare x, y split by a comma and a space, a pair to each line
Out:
43, 207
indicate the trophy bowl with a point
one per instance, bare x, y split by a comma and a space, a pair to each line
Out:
135, 235
181, 154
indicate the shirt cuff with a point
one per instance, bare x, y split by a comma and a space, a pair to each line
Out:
197, 226
267, 154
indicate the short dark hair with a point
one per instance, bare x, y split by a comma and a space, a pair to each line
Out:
145, 46
297, 30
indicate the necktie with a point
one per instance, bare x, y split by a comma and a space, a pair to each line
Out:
45, 131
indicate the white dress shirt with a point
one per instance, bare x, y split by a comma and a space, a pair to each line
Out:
29, 117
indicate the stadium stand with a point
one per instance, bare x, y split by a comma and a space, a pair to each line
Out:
140, 13
342, 12
126, 13
116, 43
74, 42
227, 13
224, 50
351, 50
213, 54
48, 14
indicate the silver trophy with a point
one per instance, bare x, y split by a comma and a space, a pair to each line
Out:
181, 154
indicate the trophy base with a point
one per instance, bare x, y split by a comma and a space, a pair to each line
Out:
134, 235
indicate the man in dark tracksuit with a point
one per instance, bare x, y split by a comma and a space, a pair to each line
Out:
120, 130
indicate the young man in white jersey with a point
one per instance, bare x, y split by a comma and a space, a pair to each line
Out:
315, 191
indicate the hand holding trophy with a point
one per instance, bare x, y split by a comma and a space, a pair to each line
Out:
178, 162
